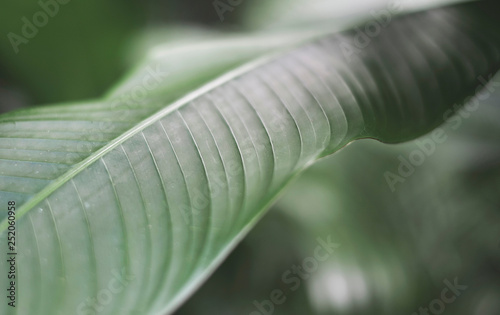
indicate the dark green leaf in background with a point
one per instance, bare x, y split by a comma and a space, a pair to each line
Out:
158, 181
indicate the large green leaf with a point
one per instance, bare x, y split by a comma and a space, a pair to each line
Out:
159, 186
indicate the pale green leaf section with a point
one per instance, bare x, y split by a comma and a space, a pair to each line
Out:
143, 200
287, 14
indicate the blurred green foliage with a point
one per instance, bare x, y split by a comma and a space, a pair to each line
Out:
73, 53
397, 247
78, 51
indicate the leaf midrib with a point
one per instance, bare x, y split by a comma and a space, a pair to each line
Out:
183, 101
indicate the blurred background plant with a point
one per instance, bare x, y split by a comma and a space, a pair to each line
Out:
397, 248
